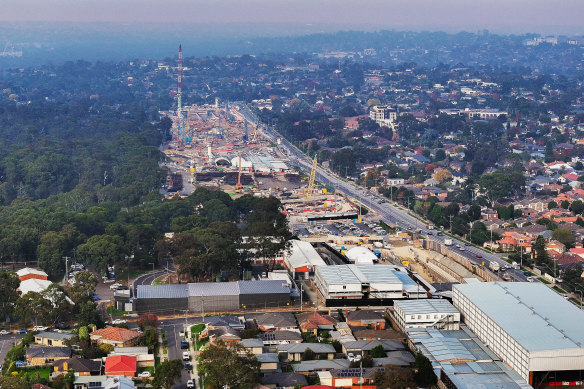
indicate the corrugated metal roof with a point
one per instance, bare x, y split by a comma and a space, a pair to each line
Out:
263, 287
359, 274
531, 313
162, 291
303, 254
213, 289
420, 306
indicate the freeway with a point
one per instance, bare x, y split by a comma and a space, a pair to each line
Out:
389, 213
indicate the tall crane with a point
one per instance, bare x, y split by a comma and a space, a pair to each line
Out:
311, 180
181, 120
239, 174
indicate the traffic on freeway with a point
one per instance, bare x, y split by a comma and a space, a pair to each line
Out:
388, 213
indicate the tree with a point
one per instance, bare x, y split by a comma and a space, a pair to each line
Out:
424, 372
13, 382
102, 250
149, 339
167, 374
106, 348
83, 288
549, 152
552, 204
577, 207
32, 308
442, 175
83, 333
227, 365
541, 253
308, 354
148, 320
394, 377
563, 235
9, 282
377, 352
440, 155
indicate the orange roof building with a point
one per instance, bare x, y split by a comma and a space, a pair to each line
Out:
314, 321
120, 365
115, 336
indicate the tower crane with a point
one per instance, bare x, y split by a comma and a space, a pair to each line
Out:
239, 175
311, 180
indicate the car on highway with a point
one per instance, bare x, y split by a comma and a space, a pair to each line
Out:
429, 233
190, 384
461, 248
4, 332
144, 374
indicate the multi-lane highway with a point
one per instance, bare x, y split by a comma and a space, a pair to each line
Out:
389, 213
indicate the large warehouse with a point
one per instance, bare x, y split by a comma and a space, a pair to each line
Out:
359, 282
302, 259
529, 326
212, 296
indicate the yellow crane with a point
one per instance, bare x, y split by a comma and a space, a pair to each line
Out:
311, 180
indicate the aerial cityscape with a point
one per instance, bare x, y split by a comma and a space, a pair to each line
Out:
262, 196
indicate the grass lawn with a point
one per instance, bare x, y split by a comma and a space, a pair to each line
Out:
44, 372
111, 310
559, 290
197, 328
544, 280
200, 343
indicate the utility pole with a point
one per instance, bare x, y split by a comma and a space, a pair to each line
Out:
66, 270
451, 223
301, 297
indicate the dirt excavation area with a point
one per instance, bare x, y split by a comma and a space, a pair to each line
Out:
432, 266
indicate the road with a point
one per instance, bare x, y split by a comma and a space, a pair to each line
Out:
388, 213
148, 279
6, 343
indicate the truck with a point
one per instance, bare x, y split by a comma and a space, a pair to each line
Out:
448, 242
494, 266
515, 265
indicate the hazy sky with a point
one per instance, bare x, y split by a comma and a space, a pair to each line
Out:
548, 16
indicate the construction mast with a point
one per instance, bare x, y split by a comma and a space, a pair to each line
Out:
181, 121
312, 178
239, 174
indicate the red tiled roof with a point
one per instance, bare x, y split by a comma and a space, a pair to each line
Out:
116, 334
120, 363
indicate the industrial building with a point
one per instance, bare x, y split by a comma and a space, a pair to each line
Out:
532, 328
425, 313
362, 284
462, 361
302, 259
360, 255
211, 296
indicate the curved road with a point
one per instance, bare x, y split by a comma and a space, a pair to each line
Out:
148, 279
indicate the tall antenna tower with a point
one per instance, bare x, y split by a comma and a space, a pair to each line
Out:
181, 123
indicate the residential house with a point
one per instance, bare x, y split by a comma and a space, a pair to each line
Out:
310, 367
387, 334
563, 260
363, 347
294, 352
342, 337
276, 321
556, 246
403, 358
284, 380
253, 345
81, 366
103, 382
350, 378
115, 336
311, 322
41, 355
489, 214
269, 363
143, 358
58, 339
366, 318
224, 334
214, 322
275, 338
512, 241
121, 365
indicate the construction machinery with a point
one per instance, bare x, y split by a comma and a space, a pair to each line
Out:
239, 174
312, 178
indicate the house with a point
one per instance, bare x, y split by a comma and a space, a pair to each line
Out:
115, 336
511, 241
81, 366
350, 378
280, 337
103, 382
294, 351
41, 355
269, 363
366, 318
58, 339
284, 380
401, 358
363, 347
143, 358
225, 334
214, 322
28, 273
311, 322
253, 345
309, 367
121, 365
342, 337
276, 321
556, 246
387, 334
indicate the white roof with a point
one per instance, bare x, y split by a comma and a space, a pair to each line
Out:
33, 285
531, 313
361, 255
411, 307
358, 274
303, 254
29, 270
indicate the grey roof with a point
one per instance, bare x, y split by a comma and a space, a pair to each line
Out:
263, 287
396, 358
531, 313
364, 314
411, 307
213, 289
285, 379
252, 342
55, 335
162, 291
130, 350
268, 358
281, 335
368, 345
224, 321
276, 319
80, 364
488, 375
358, 274
318, 348
328, 364
47, 352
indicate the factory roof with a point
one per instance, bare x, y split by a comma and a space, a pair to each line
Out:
303, 254
360, 254
531, 313
208, 289
411, 307
358, 274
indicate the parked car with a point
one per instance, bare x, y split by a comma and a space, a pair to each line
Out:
479, 256
181, 333
188, 366
115, 286
144, 374
119, 321
184, 344
186, 356
62, 326
40, 328
22, 331
190, 384
4, 332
